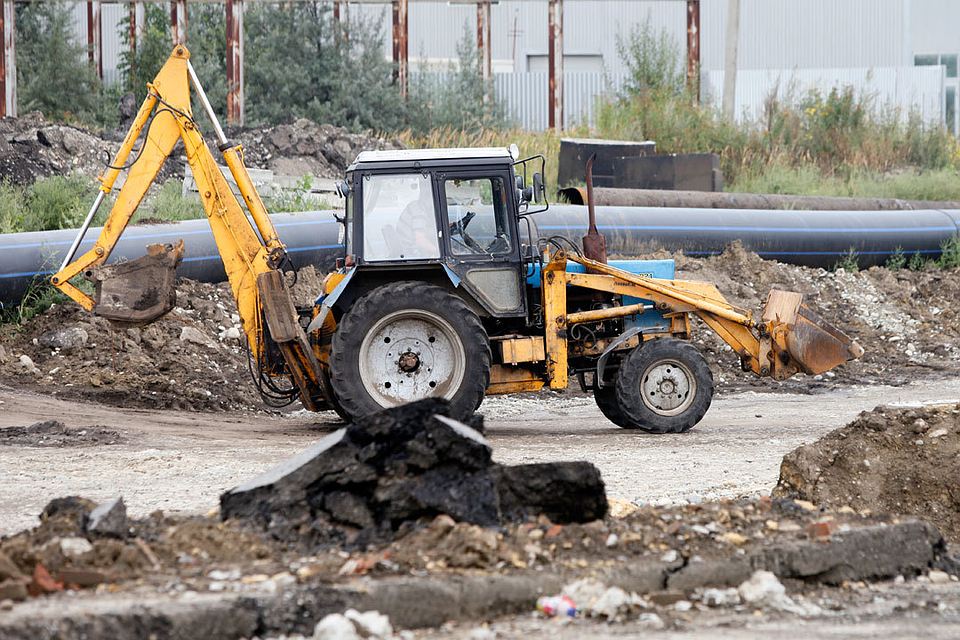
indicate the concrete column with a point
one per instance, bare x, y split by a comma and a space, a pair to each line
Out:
730, 60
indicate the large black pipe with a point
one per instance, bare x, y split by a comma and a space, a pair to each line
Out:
812, 238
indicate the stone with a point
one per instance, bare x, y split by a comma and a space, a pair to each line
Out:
13, 589
194, 335
27, 363
335, 626
82, 578
938, 577
407, 464
8, 569
74, 508
230, 333
109, 519
66, 338
563, 491
763, 588
668, 597
74, 547
720, 597
370, 624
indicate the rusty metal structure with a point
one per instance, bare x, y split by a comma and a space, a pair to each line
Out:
693, 47
555, 63
400, 51
8, 60
94, 37
235, 62
178, 21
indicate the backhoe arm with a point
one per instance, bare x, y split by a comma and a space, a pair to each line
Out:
251, 261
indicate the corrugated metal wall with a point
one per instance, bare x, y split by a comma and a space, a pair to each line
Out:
776, 35
909, 90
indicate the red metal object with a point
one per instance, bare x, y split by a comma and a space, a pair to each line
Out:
178, 21
484, 45
94, 39
9, 97
3, 59
693, 47
133, 27
341, 18
400, 34
235, 106
555, 64
594, 243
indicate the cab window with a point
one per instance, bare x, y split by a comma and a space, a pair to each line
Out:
399, 218
477, 213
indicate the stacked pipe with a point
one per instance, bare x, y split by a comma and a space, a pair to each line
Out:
811, 238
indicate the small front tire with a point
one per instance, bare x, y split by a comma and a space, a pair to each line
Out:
664, 386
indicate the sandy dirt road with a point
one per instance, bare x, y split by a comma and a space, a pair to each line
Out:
181, 461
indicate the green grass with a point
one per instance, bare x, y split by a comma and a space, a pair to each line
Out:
907, 184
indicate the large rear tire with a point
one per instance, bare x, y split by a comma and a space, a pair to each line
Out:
406, 341
664, 386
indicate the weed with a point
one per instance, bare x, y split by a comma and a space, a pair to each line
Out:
897, 260
950, 258
850, 261
917, 262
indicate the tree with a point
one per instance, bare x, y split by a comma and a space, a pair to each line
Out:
53, 73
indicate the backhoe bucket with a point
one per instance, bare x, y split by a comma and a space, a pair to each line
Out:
814, 345
141, 290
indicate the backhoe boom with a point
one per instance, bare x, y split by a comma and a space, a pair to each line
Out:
251, 258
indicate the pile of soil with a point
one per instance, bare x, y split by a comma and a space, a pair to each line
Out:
304, 147
174, 554
897, 461
908, 322
193, 358
55, 434
32, 147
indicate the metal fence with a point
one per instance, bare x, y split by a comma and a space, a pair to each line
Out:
525, 96
902, 91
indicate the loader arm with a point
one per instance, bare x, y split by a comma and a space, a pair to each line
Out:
787, 339
251, 257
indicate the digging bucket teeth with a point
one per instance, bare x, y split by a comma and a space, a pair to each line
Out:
814, 345
141, 290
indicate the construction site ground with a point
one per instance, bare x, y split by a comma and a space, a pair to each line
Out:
166, 417
180, 461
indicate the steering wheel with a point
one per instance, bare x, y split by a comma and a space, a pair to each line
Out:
460, 228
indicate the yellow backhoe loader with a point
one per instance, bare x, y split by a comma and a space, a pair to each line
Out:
443, 289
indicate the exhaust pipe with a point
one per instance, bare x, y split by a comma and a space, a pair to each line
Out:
594, 243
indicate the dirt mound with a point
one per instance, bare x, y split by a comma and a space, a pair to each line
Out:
900, 461
907, 321
54, 434
192, 358
31, 148
304, 147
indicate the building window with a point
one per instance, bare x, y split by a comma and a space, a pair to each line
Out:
926, 60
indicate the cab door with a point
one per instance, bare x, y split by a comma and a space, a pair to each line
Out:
480, 238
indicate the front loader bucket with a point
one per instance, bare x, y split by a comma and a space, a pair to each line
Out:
141, 290
814, 345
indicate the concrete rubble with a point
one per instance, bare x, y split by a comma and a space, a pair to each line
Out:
406, 464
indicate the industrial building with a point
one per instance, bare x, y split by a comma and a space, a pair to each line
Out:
901, 52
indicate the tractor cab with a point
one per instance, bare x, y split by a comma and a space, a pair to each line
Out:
448, 214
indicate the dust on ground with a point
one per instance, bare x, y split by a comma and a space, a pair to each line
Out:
889, 460
55, 434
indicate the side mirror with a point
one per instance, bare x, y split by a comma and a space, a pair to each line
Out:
343, 188
538, 189
519, 182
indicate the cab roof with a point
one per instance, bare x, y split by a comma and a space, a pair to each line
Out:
404, 158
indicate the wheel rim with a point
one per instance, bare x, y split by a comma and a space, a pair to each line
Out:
668, 387
411, 354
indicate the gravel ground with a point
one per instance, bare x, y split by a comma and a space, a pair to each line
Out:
181, 461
